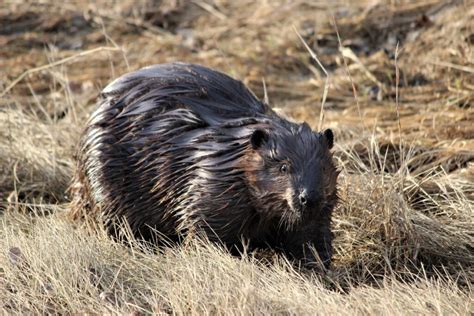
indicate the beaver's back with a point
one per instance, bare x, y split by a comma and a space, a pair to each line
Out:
214, 95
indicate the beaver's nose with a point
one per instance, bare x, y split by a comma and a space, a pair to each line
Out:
303, 197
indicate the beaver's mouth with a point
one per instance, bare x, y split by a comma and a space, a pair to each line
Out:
292, 216
300, 212
296, 206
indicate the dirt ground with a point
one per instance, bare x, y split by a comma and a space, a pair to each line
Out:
393, 79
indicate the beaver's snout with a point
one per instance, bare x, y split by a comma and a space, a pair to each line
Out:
308, 199
304, 198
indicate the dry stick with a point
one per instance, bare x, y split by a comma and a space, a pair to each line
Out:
209, 8
265, 94
347, 52
154, 30
397, 102
453, 66
326, 84
354, 90
57, 63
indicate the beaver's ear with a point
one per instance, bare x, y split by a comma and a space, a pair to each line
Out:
258, 138
329, 136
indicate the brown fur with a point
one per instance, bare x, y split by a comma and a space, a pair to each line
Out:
181, 148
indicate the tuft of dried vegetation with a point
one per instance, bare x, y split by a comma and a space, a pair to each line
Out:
398, 93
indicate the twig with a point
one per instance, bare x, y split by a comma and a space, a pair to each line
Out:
155, 30
210, 9
397, 102
326, 84
56, 63
265, 94
451, 65
347, 52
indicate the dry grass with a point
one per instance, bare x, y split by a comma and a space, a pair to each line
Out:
405, 145
58, 268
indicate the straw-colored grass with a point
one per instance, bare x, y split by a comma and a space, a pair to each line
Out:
404, 131
53, 267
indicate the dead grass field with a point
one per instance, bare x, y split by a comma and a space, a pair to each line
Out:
400, 93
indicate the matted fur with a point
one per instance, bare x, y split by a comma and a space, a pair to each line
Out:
181, 148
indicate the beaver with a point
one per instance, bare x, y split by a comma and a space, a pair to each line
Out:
179, 148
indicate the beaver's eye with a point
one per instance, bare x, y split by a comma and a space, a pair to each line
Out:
284, 168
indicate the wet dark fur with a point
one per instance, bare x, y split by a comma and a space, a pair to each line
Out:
182, 148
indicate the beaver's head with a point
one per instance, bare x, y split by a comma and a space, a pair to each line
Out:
292, 172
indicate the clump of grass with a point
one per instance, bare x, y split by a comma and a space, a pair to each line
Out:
49, 266
35, 159
384, 222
